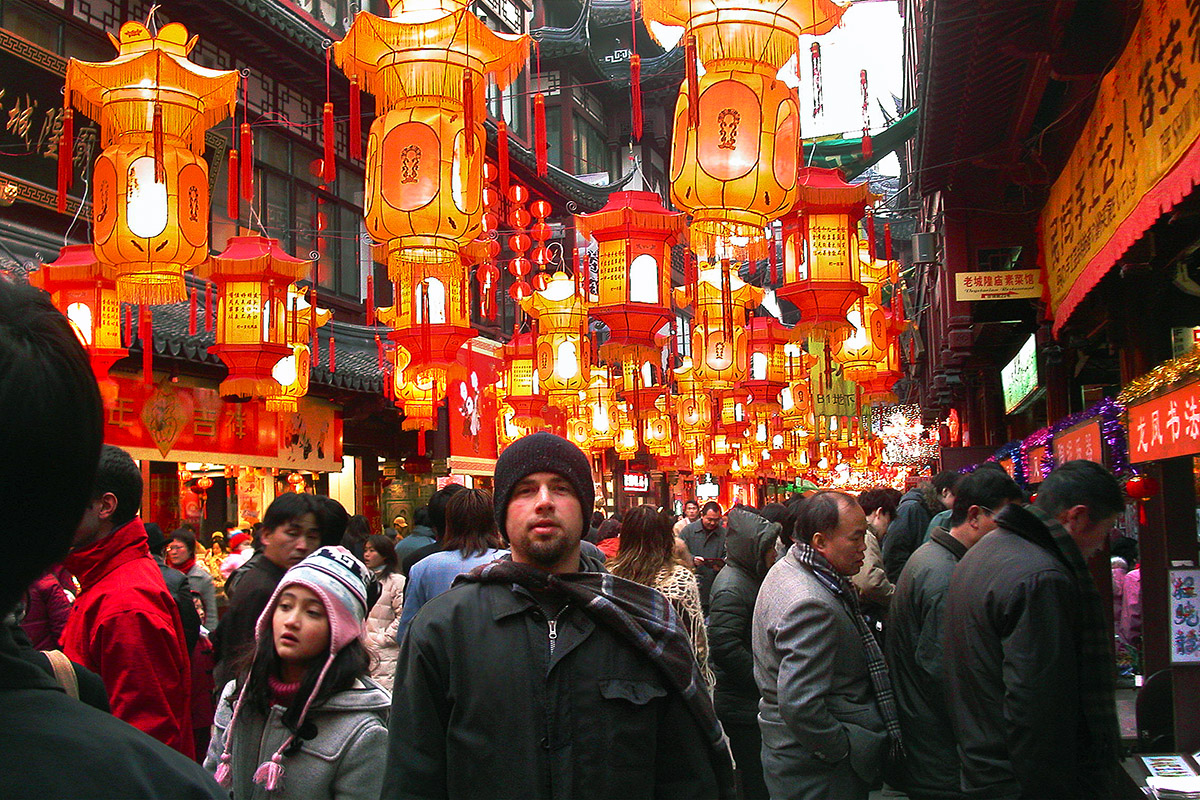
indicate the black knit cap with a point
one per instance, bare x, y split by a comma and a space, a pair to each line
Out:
542, 452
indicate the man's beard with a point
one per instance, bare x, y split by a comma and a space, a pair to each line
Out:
549, 553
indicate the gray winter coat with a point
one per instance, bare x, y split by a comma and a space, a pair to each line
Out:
734, 590
818, 707
345, 760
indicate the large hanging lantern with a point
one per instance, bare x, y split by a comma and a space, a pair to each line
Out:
861, 353
255, 326
85, 291
821, 268
878, 388
292, 374
768, 373
431, 316
736, 133
720, 357
417, 394
693, 407
562, 358
522, 384
426, 65
601, 408
150, 183
625, 440
641, 388
635, 234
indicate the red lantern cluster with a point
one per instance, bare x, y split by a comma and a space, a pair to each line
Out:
519, 242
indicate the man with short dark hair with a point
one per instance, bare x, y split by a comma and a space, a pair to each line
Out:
913, 515
691, 512
587, 682
125, 626
705, 540
827, 715
871, 581
1029, 655
914, 641
437, 522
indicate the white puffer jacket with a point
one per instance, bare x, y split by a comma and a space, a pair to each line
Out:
382, 624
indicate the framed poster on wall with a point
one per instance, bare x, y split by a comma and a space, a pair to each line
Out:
1184, 615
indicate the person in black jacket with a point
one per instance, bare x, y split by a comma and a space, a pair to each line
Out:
177, 585
55, 746
907, 531
749, 553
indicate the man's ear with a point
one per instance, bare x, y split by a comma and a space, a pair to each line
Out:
818, 541
107, 506
1074, 516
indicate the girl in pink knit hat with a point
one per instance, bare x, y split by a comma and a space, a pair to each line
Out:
303, 719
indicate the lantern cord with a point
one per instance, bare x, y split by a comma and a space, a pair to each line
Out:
87, 185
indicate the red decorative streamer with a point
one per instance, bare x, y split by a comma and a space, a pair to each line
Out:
246, 153
192, 312
370, 299
887, 241
147, 332
871, 235
329, 161
539, 134
232, 201
635, 93
355, 119
210, 311
693, 81
127, 327
774, 258
866, 137
66, 167
332, 355
468, 100
156, 126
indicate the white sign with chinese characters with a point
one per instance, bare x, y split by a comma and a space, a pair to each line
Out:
1003, 285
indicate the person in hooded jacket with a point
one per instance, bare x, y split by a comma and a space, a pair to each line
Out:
749, 553
913, 515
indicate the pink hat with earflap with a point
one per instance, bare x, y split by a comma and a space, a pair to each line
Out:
340, 581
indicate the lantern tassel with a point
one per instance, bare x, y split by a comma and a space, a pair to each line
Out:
328, 164
772, 258
867, 149
887, 241
502, 157
693, 81
127, 326
420, 442
232, 199
468, 100
539, 133
66, 167
192, 312
332, 355
635, 92
160, 167
209, 312
147, 332
871, 235
370, 299
247, 156
355, 119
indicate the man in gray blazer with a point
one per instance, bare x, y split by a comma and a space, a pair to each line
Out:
827, 712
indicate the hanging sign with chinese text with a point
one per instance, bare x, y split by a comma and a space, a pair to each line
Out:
1132, 160
1005, 285
1082, 441
1033, 465
1166, 426
1184, 611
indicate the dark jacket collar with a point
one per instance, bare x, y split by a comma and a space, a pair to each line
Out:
943, 537
1030, 524
520, 599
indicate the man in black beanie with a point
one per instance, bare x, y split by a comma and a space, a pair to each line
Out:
588, 680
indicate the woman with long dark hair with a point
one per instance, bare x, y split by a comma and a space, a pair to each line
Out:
470, 540
303, 719
384, 619
647, 556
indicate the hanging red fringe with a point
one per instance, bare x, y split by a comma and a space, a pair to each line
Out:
774, 258
66, 155
502, 157
147, 331
328, 163
867, 149
887, 241
210, 311
693, 81
468, 98
127, 326
160, 166
378, 353
370, 299
420, 443
871, 236
332, 354
232, 200
635, 93
192, 312
247, 156
539, 133
99, 305
355, 120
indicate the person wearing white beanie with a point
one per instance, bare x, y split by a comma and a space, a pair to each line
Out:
303, 719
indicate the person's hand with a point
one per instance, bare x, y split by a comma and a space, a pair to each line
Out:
697, 561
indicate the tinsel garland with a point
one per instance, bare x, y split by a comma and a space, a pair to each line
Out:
1162, 376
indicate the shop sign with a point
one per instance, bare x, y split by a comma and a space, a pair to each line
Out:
1082, 441
170, 422
1184, 611
1009, 467
473, 409
1145, 119
635, 482
1019, 377
1167, 426
1184, 341
1006, 285
1033, 464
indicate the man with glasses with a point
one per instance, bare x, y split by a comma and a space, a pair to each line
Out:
914, 649
705, 539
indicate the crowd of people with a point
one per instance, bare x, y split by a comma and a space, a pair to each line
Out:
515, 644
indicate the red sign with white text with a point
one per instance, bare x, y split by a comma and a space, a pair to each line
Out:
1082, 441
1166, 426
1033, 465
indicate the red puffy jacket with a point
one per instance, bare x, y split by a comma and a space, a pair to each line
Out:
125, 627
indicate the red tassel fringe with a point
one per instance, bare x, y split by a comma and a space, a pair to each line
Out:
247, 156
192, 312
887, 241
693, 81
539, 133
160, 167
332, 355
232, 200
147, 325
867, 150
210, 312
66, 169
635, 93
468, 98
329, 162
355, 120
370, 299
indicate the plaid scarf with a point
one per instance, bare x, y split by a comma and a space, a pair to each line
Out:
841, 588
1097, 670
643, 618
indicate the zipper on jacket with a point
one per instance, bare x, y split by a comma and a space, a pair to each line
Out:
553, 623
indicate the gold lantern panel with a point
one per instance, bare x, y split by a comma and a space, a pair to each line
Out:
860, 355
768, 370
562, 355
720, 357
522, 386
151, 205
417, 393
601, 410
291, 373
693, 407
625, 440
658, 435
431, 317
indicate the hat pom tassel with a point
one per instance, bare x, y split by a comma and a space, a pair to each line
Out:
222, 773
270, 773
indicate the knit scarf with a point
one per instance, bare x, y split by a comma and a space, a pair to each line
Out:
186, 566
841, 588
644, 619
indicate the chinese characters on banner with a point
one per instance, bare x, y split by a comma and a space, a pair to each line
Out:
1166, 426
1184, 608
1082, 441
1033, 465
1146, 117
1003, 285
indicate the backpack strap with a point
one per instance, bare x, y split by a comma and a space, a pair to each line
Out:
64, 672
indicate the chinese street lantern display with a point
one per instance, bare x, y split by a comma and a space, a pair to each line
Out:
878, 388
736, 133
821, 266
509, 431
861, 352
562, 358
625, 440
601, 408
641, 387
150, 182
693, 407
426, 65
292, 373
768, 373
255, 325
635, 234
657, 434
431, 316
417, 395
85, 291
522, 384
720, 358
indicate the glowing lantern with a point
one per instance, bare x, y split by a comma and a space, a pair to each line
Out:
862, 351
523, 390
150, 207
85, 291
426, 66
509, 431
562, 358
657, 434
641, 387
291, 373
693, 407
635, 234
737, 130
430, 318
718, 330
255, 326
821, 267
625, 440
878, 388
601, 407
768, 373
